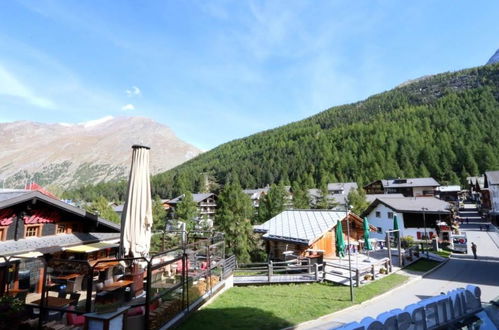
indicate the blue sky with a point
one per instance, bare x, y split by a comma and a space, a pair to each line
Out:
214, 71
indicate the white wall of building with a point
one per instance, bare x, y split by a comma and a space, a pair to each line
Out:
383, 221
386, 223
494, 196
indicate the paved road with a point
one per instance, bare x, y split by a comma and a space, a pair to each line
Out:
458, 272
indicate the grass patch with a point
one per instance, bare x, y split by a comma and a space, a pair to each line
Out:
279, 306
422, 265
443, 253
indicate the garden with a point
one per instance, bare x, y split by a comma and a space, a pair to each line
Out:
280, 306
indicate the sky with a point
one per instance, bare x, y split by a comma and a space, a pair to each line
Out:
218, 70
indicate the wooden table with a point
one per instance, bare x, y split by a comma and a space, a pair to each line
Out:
104, 265
54, 302
116, 285
66, 277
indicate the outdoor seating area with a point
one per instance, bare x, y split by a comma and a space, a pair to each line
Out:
62, 290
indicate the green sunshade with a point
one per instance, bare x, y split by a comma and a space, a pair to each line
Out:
395, 227
367, 244
340, 242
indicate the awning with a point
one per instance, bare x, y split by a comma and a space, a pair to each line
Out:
33, 254
89, 248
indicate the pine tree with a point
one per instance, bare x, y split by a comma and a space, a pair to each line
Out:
325, 201
356, 198
300, 197
102, 209
233, 219
158, 214
187, 211
272, 203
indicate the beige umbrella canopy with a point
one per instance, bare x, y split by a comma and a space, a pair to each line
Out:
136, 220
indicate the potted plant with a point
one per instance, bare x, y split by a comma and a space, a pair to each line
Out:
12, 312
383, 271
368, 277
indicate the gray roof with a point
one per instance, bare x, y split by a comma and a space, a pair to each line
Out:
410, 182
492, 177
344, 186
10, 198
196, 197
480, 180
300, 226
54, 242
412, 205
372, 197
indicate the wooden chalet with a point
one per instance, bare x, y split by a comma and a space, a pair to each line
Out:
33, 224
302, 233
409, 187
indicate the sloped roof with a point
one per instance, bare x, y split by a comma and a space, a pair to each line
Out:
12, 197
345, 186
372, 197
412, 204
410, 182
300, 226
492, 177
196, 197
53, 242
480, 180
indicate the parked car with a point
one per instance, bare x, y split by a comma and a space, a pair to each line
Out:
459, 243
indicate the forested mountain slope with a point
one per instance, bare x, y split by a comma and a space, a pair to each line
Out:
445, 126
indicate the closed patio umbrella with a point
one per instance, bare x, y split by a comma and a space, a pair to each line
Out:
136, 221
340, 242
395, 227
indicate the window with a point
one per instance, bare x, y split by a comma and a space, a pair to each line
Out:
378, 214
390, 215
61, 228
33, 231
380, 230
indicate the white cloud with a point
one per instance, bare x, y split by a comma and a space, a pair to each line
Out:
128, 107
134, 91
12, 86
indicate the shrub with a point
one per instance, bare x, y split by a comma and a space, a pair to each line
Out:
406, 241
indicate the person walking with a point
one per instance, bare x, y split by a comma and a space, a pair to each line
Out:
473, 249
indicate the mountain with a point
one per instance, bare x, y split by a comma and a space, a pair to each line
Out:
72, 155
444, 126
494, 58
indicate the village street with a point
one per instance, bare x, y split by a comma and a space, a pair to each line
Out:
459, 271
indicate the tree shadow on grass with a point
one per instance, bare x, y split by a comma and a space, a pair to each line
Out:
233, 318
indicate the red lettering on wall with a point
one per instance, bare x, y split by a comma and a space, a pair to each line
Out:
7, 216
42, 216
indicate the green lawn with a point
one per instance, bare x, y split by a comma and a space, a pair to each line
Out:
443, 253
279, 306
422, 265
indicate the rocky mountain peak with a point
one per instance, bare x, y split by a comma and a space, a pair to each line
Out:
71, 155
494, 58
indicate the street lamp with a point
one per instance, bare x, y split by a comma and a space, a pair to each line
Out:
424, 225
